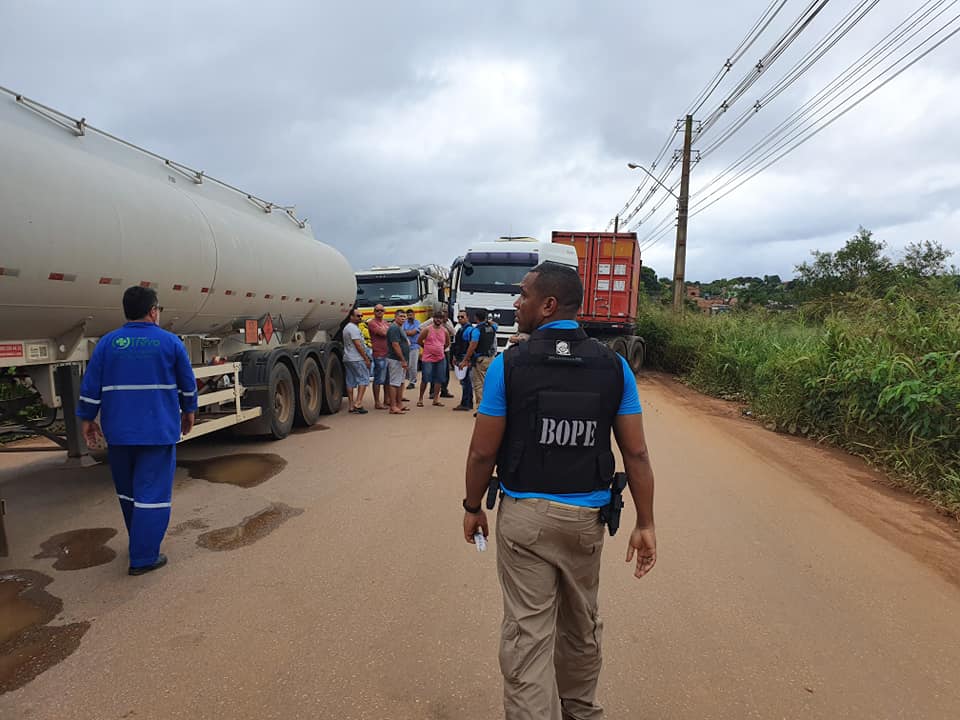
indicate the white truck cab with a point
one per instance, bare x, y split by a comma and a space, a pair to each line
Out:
488, 276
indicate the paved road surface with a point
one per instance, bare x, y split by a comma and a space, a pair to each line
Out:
789, 583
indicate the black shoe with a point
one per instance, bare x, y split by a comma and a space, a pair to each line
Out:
161, 561
474, 414
462, 408
446, 395
411, 386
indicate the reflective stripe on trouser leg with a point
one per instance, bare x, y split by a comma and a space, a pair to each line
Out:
154, 466
120, 458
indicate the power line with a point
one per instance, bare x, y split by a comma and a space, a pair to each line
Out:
890, 43
733, 185
789, 36
826, 43
746, 43
892, 70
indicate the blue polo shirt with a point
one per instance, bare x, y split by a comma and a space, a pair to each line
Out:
470, 334
494, 404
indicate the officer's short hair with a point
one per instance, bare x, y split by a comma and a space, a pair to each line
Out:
481, 315
561, 282
138, 301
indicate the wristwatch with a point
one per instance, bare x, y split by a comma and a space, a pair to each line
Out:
471, 510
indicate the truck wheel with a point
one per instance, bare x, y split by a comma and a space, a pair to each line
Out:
311, 393
281, 401
637, 353
333, 384
619, 346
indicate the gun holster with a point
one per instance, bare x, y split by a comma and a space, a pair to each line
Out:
492, 489
610, 514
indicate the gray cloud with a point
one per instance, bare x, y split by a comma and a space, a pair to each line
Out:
405, 131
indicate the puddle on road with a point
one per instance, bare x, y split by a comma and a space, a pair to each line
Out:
244, 470
78, 549
251, 529
28, 646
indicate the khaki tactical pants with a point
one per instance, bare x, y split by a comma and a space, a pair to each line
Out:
548, 560
479, 375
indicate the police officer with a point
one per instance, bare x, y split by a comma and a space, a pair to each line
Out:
140, 381
462, 349
545, 421
484, 351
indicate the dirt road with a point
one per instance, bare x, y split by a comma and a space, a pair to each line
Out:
789, 584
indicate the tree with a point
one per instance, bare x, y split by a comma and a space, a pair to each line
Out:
860, 262
648, 278
925, 260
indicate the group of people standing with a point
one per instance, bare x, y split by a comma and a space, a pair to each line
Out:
389, 354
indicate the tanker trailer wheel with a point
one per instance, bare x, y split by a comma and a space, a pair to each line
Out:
620, 347
333, 385
636, 357
281, 401
311, 393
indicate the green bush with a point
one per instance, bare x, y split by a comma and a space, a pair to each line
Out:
879, 377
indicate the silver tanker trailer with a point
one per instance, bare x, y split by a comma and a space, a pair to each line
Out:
256, 299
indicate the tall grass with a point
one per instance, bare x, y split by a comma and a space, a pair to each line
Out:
879, 377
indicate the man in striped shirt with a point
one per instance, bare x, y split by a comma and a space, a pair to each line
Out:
140, 382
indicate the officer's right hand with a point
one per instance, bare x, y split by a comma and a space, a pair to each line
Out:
644, 542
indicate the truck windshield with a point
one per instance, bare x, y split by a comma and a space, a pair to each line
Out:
392, 291
493, 278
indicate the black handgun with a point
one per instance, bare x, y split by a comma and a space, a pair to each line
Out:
492, 488
610, 514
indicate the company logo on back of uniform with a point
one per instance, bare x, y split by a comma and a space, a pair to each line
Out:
563, 348
123, 343
568, 433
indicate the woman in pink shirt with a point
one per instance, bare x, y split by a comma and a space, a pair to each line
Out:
434, 339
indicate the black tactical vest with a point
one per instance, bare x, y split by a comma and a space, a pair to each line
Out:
459, 348
486, 346
563, 392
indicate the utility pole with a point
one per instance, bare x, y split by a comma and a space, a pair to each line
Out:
680, 256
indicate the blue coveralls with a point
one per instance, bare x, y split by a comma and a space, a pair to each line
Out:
139, 380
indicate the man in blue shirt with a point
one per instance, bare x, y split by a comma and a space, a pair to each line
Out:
463, 348
549, 436
140, 381
411, 328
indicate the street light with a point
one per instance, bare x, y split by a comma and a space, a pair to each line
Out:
634, 166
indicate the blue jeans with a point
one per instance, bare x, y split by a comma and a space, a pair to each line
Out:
379, 371
466, 388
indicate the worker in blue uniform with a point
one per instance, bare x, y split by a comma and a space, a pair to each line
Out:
139, 380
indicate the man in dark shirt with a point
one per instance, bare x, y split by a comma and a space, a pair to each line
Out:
398, 350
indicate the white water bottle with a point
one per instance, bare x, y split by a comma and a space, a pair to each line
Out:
480, 541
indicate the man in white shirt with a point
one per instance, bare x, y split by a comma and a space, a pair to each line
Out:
356, 363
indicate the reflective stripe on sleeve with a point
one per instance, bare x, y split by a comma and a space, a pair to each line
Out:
89, 400
188, 394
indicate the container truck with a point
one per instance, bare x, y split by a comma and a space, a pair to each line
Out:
609, 267
488, 276
256, 299
401, 287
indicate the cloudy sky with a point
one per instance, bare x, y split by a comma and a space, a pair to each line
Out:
405, 131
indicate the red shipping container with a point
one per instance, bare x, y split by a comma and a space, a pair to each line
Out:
609, 266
